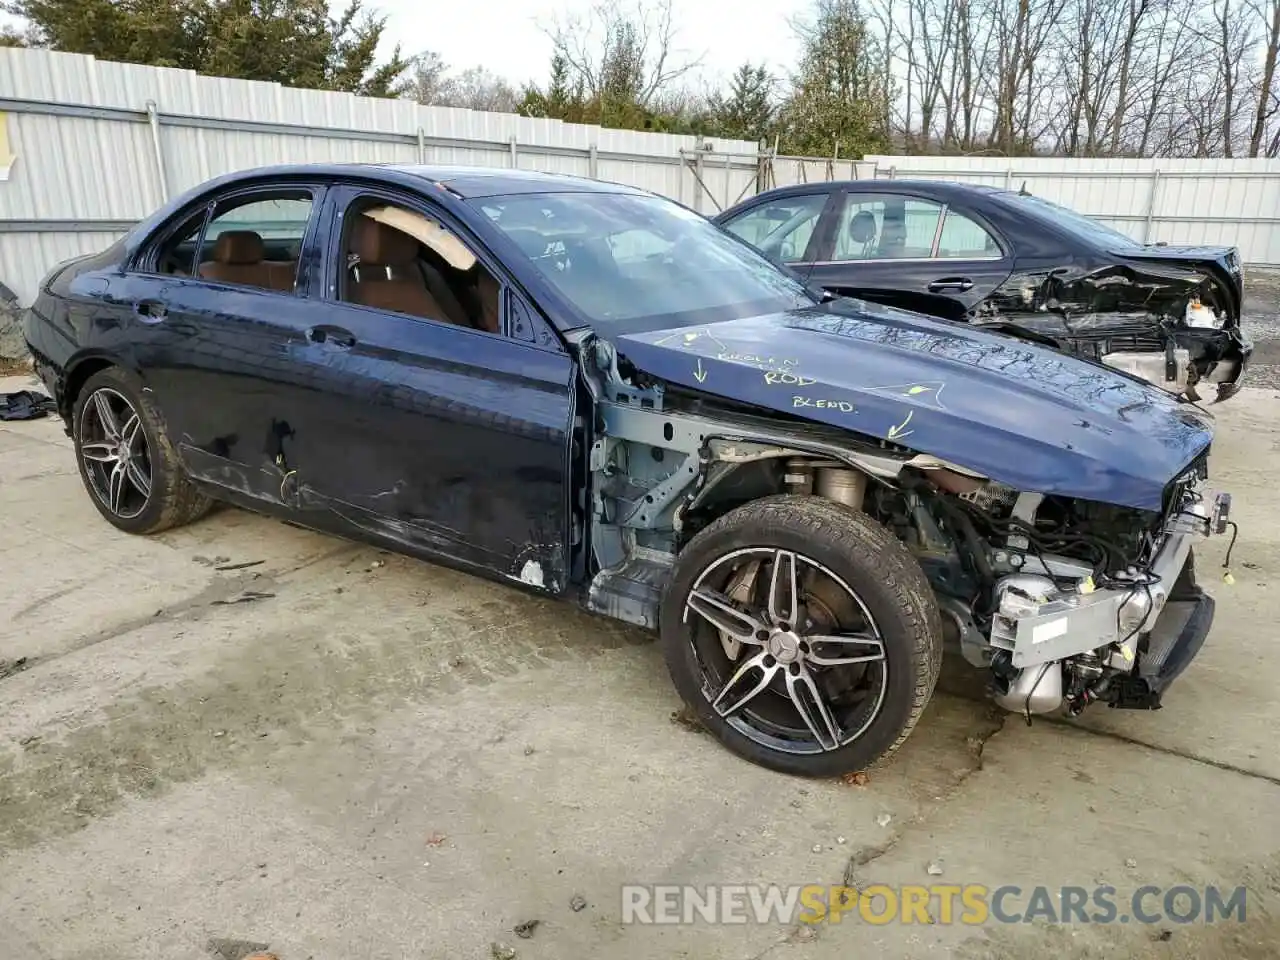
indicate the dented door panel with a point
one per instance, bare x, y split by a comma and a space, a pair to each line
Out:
441, 440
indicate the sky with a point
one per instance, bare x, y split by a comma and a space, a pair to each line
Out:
504, 36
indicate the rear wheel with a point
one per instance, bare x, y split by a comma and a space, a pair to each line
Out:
803, 635
127, 463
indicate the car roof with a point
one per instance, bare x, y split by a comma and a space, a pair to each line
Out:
465, 182
938, 188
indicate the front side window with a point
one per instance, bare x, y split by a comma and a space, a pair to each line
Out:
399, 259
623, 260
780, 228
256, 242
886, 227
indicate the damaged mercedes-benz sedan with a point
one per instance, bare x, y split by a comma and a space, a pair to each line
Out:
1017, 263
597, 394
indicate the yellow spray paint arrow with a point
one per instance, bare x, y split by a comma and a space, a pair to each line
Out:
896, 433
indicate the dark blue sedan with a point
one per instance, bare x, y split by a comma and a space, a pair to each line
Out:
1016, 262
597, 394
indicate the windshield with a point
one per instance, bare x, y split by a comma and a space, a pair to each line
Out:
1077, 224
625, 261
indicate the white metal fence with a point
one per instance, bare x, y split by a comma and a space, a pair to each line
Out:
93, 146
1234, 202
88, 147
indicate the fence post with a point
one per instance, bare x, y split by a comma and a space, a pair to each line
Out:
698, 173
593, 162
1151, 204
153, 118
515, 153
422, 146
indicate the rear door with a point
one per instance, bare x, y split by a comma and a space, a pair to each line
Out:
442, 406
909, 251
216, 302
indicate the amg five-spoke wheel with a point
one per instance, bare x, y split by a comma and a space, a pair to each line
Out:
803, 634
114, 449
128, 464
783, 642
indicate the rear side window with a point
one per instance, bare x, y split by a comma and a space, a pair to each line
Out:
964, 239
886, 227
256, 242
253, 240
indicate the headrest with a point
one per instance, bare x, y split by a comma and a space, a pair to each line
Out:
238, 246
863, 227
381, 245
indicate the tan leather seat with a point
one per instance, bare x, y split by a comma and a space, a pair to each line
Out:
387, 274
237, 258
487, 290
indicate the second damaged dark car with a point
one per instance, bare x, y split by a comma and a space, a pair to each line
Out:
595, 393
1015, 262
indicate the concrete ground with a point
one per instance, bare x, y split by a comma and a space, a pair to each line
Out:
377, 758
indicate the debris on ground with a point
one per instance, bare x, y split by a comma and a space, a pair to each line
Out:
858, 779
435, 839
1163, 936
239, 566
805, 933
840, 840
224, 949
1131, 863
9, 667
685, 717
247, 596
935, 869
525, 930
500, 951
376, 564
577, 903
883, 820
817, 848
530, 751
25, 405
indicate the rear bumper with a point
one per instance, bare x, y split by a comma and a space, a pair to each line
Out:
1193, 363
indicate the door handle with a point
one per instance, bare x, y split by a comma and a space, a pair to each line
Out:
336, 336
959, 284
150, 311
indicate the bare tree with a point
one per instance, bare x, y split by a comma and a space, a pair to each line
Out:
622, 48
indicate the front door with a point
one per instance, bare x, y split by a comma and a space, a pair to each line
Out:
910, 252
436, 424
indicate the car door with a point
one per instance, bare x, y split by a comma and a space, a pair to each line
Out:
216, 301
443, 404
909, 251
787, 228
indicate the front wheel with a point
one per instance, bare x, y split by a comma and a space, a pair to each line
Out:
802, 634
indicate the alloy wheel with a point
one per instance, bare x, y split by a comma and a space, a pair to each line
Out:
113, 447
792, 658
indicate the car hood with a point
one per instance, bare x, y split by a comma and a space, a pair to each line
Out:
1018, 413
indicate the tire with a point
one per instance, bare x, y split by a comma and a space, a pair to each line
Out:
843, 552
170, 500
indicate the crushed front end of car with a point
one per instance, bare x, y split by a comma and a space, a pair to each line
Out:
1067, 602
1170, 316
